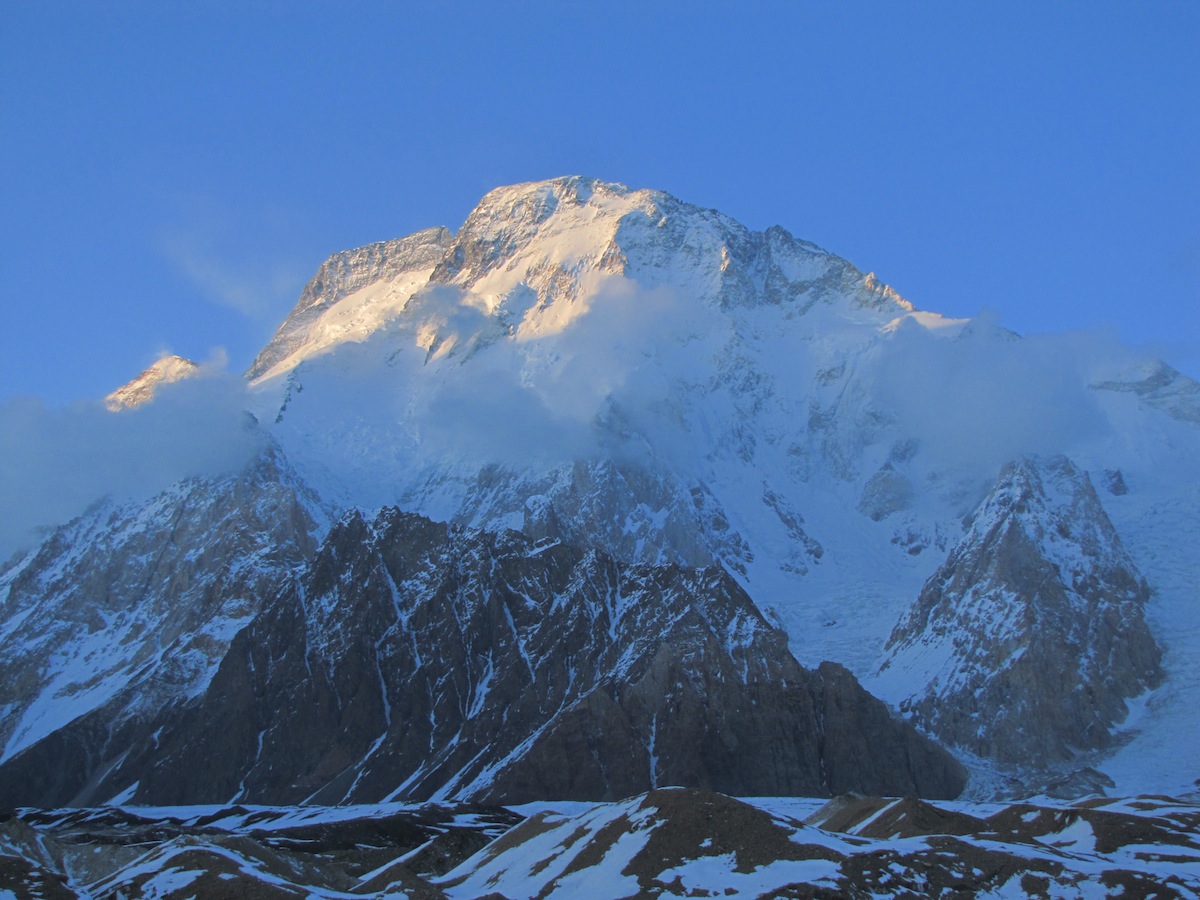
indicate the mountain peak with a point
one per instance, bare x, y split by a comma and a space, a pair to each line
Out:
686, 418
525, 247
317, 319
1031, 636
167, 370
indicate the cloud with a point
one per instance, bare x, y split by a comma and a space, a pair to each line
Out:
595, 386
256, 289
448, 387
650, 376
990, 396
55, 462
496, 419
240, 259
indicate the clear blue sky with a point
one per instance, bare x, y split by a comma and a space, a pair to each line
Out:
172, 173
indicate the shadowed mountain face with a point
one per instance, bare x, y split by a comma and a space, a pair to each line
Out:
417, 660
1030, 637
131, 608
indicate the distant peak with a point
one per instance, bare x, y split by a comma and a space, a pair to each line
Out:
167, 370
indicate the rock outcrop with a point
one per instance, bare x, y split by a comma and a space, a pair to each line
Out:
1026, 642
415, 660
131, 608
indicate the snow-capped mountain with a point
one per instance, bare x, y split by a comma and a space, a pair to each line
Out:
167, 370
349, 297
418, 660
1026, 642
131, 608
650, 390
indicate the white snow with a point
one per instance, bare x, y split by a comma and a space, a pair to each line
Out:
141, 390
539, 864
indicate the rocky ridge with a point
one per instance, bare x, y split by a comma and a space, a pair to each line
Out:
413, 660
1027, 641
667, 842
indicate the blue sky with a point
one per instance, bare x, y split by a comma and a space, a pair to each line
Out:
173, 173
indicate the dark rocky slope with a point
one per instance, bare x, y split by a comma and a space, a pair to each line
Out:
1030, 637
131, 607
416, 660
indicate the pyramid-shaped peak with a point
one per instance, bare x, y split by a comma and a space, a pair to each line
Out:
166, 370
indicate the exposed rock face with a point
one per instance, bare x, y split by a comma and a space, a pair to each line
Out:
457, 663
634, 514
404, 263
859, 732
887, 492
1162, 387
1026, 642
416, 660
131, 608
141, 390
1114, 480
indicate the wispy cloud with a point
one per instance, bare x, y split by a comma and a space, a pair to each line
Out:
254, 289
989, 396
235, 259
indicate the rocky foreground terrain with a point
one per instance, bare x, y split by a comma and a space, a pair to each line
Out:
670, 842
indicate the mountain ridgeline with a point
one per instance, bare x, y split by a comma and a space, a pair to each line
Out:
416, 659
603, 493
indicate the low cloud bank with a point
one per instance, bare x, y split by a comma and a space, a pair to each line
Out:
55, 462
620, 372
658, 377
989, 396
599, 385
